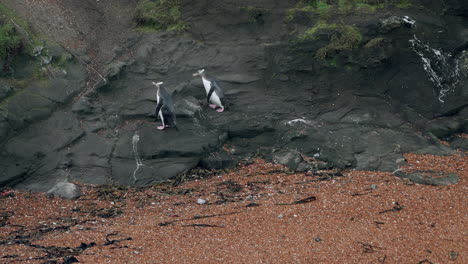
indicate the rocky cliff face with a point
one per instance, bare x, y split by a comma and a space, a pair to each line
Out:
347, 84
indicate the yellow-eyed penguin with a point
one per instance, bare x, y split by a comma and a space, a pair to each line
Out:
215, 95
164, 108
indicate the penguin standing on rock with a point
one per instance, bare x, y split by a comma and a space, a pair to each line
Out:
215, 95
165, 108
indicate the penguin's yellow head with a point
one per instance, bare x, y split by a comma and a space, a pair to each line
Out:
199, 72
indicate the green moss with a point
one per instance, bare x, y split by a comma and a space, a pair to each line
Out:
21, 28
328, 8
10, 41
290, 14
333, 63
361, 6
162, 15
17, 84
273, 76
374, 42
316, 6
322, 7
255, 13
368, 8
343, 37
403, 4
464, 64
311, 33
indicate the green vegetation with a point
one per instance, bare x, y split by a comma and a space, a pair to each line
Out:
403, 4
343, 38
19, 30
374, 42
255, 13
162, 15
23, 55
322, 7
326, 8
464, 63
10, 41
333, 63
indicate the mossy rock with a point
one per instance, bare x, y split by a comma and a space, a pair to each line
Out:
255, 14
10, 40
375, 42
342, 38
325, 8
5, 89
161, 15
464, 63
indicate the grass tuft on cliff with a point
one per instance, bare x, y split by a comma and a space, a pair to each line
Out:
10, 40
159, 15
342, 38
326, 8
17, 30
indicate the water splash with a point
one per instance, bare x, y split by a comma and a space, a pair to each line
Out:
442, 67
298, 120
139, 163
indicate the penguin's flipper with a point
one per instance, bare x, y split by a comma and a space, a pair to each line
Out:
210, 93
158, 109
217, 88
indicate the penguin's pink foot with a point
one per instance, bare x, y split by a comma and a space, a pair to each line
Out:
160, 127
220, 110
212, 106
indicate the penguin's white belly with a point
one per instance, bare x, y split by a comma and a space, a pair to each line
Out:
207, 85
215, 99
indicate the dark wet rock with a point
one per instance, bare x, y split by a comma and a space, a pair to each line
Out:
429, 177
24, 108
127, 172
83, 106
249, 128
444, 127
359, 107
303, 167
92, 174
390, 23
35, 99
188, 106
58, 132
114, 69
89, 159
460, 143
5, 89
94, 126
218, 161
311, 164
31, 155
168, 143
457, 7
453, 255
362, 147
237, 78
65, 190
4, 127
58, 90
288, 158
163, 154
